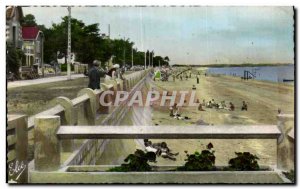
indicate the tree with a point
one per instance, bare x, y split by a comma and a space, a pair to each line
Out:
29, 20
13, 59
167, 59
88, 44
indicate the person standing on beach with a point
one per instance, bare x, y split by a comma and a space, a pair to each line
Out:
197, 79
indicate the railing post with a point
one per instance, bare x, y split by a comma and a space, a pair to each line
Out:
67, 119
47, 145
107, 99
88, 115
19, 123
285, 146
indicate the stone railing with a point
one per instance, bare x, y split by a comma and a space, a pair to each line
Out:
58, 132
85, 109
17, 144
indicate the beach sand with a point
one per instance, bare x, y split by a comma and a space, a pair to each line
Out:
263, 99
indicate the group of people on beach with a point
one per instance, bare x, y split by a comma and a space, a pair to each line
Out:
160, 149
221, 105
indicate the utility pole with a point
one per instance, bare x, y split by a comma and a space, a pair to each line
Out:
109, 31
124, 54
132, 56
145, 60
149, 58
42, 52
69, 45
152, 57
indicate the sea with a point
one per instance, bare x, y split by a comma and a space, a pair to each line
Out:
282, 73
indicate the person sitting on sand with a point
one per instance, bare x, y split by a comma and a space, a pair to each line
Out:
174, 110
231, 106
149, 147
200, 108
165, 152
209, 105
213, 103
222, 105
244, 106
194, 87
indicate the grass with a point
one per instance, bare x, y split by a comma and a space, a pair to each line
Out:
33, 99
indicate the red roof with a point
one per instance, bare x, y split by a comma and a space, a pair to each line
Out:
30, 32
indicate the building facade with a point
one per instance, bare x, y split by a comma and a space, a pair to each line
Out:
33, 40
14, 15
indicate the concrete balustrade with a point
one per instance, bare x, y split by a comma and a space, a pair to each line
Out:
80, 111
87, 114
47, 145
17, 143
69, 117
285, 160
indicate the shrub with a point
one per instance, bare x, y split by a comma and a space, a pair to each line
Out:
13, 59
244, 161
200, 162
63, 67
136, 162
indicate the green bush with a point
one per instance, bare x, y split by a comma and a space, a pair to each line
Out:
136, 162
63, 67
13, 59
200, 162
244, 161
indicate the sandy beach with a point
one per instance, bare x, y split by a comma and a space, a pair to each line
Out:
263, 99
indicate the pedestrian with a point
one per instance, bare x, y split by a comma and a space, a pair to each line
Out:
94, 76
197, 79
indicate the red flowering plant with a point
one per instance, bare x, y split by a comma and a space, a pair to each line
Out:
204, 161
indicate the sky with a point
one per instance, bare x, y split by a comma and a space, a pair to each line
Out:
193, 35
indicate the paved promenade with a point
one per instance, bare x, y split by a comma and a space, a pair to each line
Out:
22, 83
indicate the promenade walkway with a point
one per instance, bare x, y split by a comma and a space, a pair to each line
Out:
22, 83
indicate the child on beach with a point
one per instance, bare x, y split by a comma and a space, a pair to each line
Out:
165, 152
160, 149
244, 106
174, 110
200, 108
231, 107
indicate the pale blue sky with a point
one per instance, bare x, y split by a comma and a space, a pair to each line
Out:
193, 35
